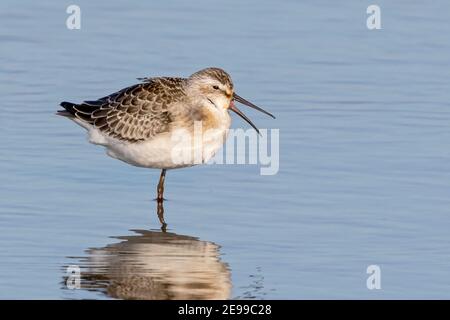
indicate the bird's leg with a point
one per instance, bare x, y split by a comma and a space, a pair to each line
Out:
161, 186
160, 200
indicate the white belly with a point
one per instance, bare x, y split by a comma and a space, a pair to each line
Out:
166, 151
178, 148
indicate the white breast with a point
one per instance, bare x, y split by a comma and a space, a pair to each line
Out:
175, 149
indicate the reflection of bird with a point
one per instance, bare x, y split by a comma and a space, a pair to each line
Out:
157, 265
138, 124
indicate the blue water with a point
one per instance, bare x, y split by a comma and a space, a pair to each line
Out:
364, 159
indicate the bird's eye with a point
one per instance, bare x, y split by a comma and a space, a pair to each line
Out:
216, 87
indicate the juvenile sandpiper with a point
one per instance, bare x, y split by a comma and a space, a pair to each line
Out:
137, 124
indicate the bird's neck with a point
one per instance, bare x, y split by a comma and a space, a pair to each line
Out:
215, 118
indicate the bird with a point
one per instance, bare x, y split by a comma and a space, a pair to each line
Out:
153, 124
146, 265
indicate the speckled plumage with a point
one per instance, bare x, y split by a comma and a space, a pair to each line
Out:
136, 113
142, 111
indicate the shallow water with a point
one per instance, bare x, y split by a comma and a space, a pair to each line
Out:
364, 158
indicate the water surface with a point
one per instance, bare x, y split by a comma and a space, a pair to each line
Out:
364, 158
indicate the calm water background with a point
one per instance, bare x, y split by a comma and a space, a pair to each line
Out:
364, 144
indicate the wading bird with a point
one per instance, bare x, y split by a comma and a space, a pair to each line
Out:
137, 124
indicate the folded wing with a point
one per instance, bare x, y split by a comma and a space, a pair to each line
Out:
136, 113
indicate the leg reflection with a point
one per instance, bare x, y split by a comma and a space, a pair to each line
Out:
160, 212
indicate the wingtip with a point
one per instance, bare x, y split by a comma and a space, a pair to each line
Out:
65, 104
63, 113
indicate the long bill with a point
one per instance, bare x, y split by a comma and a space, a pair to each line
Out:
242, 115
251, 105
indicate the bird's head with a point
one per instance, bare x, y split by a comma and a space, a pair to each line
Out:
214, 88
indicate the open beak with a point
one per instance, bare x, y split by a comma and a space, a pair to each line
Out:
249, 104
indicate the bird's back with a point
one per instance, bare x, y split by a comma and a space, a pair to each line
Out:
136, 113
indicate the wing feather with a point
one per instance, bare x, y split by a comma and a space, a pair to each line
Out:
136, 113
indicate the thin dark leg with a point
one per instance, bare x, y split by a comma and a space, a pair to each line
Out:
161, 185
160, 200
